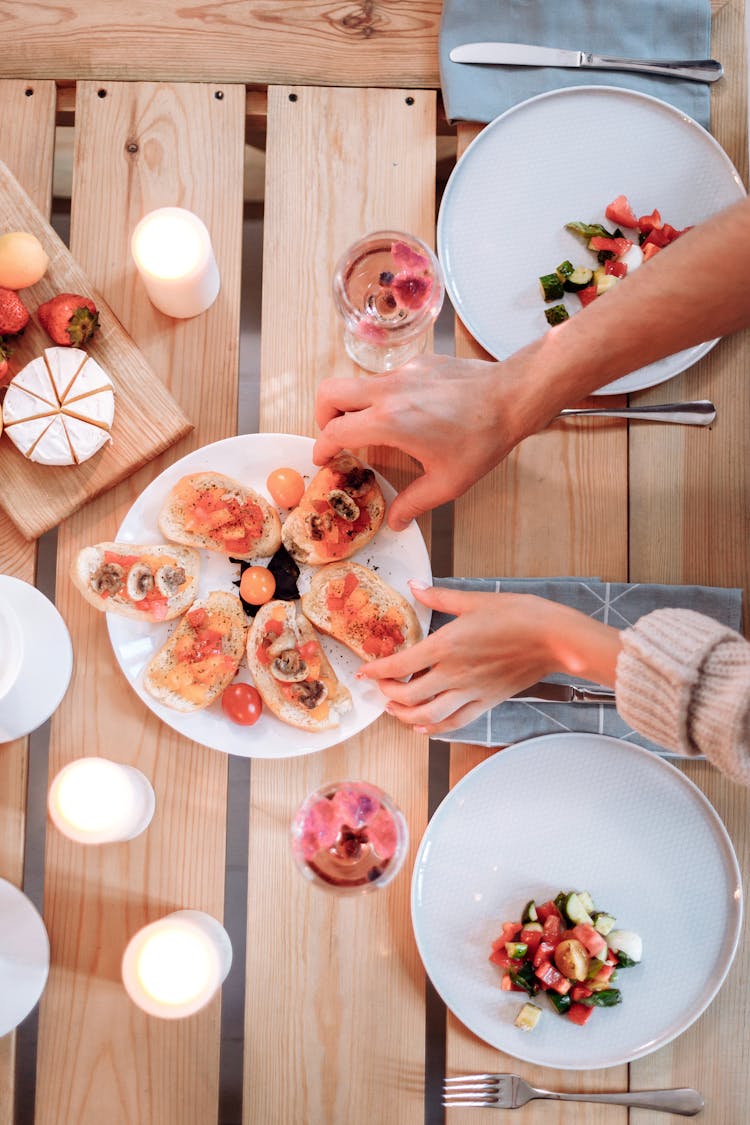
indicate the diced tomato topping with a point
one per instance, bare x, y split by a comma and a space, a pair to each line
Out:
579, 1013
649, 250
273, 625
650, 222
616, 246
197, 618
616, 269
308, 650
553, 978
262, 654
125, 561
547, 909
592, 940
506, 984
604, 973
621, 213
321, 506
154, 603
500, 957
532, 939
552, 930
587, 295
350, 584
510, 932
580, 992
543, 954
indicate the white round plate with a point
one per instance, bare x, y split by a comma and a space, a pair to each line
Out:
559, 158
397, 557
43, 672
579, 812
24, 956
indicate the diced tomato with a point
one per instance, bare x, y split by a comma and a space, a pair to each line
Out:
531, 938
543, 954
510, 931
552, 930
273, 625
321, 506
125, 561
553, 978
580, 992
592, 940
546, 910
649, 250
197, 618
500, 957
621, 213
616, 269
604, 973
616, 246
261, 653
308, 650
587, 295
350, 584
579, 1013
506, 984
650, 222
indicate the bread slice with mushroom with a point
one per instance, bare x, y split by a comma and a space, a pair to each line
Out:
291, 671
341, 512
151, 582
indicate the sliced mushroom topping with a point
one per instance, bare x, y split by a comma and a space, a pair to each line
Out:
108, 579
319, 525
281, 641
168, 579
357, 480
343, 505
309, 694
289, 667
140, 582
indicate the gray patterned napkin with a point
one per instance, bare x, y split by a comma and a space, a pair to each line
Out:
666, 29
615, 603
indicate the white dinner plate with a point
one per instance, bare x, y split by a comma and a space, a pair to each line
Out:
579, 812
24, 956
558, 158
397, 557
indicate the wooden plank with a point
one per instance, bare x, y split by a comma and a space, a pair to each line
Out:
368, 44
27, 133
334, 1025
147, 419
690, 522
96, 1049
550, 500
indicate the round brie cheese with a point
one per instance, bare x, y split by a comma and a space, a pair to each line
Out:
59, 408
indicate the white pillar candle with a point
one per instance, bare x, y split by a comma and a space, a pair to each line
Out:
96, 801
172, 250
173, 967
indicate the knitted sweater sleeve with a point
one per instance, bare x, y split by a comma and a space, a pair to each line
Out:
683, 681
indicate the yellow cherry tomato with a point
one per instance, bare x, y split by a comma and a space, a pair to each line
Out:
286, 487
257, 585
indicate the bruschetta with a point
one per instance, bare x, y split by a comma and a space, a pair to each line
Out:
201, 657
355, 606
146, 582
212, 511
291, 671
341, 511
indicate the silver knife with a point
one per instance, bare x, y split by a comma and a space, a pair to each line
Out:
519, 54
546, 692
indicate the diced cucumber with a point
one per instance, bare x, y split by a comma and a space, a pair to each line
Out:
552, 286
528, 1017
576, 911
560, 1003
627, 942
556, 315
587, 900
564, 270
529, 912
588, 230
580, 278
603, 923
516, 950
605, 282
536, 927
560, 901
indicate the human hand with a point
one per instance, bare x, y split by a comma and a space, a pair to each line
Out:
456, 417
497, 645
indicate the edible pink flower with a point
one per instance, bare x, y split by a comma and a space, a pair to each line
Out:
405, 258
412, 290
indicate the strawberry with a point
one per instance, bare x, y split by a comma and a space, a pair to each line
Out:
14, 316
69, 320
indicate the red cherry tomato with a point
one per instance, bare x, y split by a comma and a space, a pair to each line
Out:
242, 704
286, 487
257, 585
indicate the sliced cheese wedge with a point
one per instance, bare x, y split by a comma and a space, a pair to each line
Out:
60, 408
85, 440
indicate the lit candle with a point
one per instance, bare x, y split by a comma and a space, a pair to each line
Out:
173, 967
95, 801
172, 250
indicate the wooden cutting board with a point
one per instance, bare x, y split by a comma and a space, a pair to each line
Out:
147, 418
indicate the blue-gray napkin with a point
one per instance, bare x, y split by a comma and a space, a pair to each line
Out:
615, 603
643, 29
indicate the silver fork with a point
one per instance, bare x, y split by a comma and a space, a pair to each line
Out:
510, 1091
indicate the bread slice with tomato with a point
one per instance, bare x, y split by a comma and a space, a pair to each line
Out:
354, 605
201, 657
341, 511
212, 511
148, 582
291, 671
